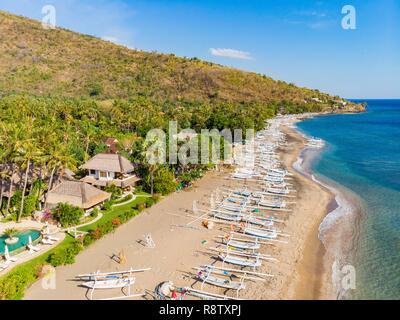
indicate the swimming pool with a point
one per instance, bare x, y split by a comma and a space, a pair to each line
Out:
23, 237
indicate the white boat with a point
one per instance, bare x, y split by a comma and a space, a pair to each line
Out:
277, 204
259, 222
232, 208
118, 282
243, 245
243, 193
110, 280
227, 217
240, 261
241, 176
203, 295
279, 171
108, 275
273, 179
207, 277
260, 233
276, 174
281, 191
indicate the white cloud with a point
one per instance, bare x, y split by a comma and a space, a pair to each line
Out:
231, 53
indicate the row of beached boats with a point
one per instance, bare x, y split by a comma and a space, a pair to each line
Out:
248, 214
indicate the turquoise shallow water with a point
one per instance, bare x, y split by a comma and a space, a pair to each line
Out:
363, 155
23, 240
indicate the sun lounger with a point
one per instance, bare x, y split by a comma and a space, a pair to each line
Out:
32, 249
52, 238
10, 259
5, 265
47, 241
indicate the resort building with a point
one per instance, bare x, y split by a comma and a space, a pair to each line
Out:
106, 169
78, 194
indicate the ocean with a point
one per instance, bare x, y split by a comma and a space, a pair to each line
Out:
362, 160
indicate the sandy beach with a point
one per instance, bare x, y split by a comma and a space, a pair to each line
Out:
301, 272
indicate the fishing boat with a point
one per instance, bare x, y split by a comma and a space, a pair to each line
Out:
227, 216
206, 276
279, 191
262, 234
273, 179
110, 280
258, 221
277, 204
271, 173
244, 245
240, 261
109, 283
241, 175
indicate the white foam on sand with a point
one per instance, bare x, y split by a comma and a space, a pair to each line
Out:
344, 209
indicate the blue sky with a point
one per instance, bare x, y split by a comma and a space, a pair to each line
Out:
299, 41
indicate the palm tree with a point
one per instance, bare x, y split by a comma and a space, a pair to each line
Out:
89, 132
4, 175
10, 134
10, 233
28, 152
59, 160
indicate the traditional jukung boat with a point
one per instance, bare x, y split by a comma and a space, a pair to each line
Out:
240, 261
279, 191
111, 280
226, 216
257, 221
206, 276
244, 245
262, 234
278, 204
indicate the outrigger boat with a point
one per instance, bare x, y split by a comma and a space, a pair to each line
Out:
227, 216
278, 204
206, 276
262, 234
244, 245
240, 261
111, 280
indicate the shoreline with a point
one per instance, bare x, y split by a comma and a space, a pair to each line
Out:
335, 232
313, 281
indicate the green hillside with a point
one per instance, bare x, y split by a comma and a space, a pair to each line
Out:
58, 62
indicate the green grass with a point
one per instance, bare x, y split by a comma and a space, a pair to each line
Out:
14, 283
115, 212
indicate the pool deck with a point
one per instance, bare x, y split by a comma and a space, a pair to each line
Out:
25, 255
23, 225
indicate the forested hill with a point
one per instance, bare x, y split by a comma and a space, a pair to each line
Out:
41, 62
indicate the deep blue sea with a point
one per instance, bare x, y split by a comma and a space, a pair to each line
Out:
363, 155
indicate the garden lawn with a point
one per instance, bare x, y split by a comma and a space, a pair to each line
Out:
115, 212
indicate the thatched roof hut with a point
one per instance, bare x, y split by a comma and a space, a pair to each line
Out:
109, 162
78, 194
